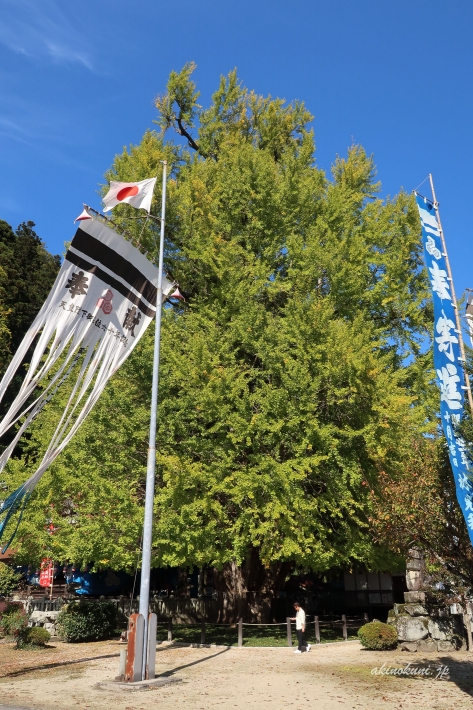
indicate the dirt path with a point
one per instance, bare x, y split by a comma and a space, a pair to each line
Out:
331, 676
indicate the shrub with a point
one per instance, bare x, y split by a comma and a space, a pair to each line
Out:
13, 619
34, 636
9, 580
87, 621
377, 636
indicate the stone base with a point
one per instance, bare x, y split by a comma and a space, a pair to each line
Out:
431, 646
415, 610
439, 632
414, 597
411, 628
46, 619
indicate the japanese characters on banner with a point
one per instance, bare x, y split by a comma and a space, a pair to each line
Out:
447, 360
102, 301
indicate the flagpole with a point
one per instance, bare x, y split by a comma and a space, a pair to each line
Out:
150, 472
454, 300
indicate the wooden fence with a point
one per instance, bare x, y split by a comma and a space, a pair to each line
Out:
176, 612
344, 623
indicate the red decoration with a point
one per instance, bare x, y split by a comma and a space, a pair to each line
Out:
46, 573
127, 192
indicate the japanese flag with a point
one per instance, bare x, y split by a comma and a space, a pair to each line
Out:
136, 194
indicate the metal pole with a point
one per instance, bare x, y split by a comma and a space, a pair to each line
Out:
149, 497
454, 300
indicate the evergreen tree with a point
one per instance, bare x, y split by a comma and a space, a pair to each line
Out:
27, 273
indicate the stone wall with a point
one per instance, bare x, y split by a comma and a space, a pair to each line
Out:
418, 630
439, 628
46, 619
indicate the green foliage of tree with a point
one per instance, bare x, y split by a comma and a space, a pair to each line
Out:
27, 272
414, 504
292, 374
9, 580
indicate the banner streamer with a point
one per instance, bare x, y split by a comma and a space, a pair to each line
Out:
447, 360
101, 303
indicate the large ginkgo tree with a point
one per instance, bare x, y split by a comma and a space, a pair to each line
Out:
291, 375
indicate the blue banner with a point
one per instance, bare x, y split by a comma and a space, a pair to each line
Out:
447, 360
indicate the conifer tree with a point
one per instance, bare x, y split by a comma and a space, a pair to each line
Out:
27, 272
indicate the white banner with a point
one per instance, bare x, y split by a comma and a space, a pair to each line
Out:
102, 301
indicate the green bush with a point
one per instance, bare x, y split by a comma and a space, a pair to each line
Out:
377, 636
87, 621
9, 580
34, 636
13, 620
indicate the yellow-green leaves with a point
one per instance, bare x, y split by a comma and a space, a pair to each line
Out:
290, 375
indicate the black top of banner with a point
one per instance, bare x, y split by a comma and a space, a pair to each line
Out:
96, 251
112, 260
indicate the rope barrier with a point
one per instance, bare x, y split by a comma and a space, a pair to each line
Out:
293, 623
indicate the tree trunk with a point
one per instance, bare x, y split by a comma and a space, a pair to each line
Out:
248, 590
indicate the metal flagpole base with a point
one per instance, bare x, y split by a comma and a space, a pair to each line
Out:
120, 686
131, 668
134, 654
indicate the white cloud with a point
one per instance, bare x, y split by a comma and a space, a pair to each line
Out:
41, 30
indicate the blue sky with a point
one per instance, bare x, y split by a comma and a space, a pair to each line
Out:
77, 82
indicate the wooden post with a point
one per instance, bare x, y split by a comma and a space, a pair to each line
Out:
240, 632
345, 630
289, 631
170, 630
52, 581
317, 630
202, 632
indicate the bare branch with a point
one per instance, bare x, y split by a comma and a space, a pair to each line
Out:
191, 142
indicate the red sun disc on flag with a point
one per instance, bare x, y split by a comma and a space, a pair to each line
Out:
127, 192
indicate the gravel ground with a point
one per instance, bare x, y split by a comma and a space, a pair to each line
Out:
331, 676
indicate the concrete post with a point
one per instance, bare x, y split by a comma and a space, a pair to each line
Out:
152, 630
